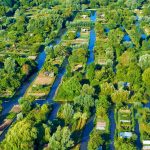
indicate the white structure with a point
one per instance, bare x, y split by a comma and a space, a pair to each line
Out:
146, 148
101, 125
84, 30
125, 121
146, 142
84, 16
126, 134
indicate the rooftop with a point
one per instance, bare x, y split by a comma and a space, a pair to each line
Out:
101, 125
125, 134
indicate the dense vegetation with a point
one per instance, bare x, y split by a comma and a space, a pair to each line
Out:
109, 96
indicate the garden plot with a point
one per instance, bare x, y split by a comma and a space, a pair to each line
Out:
77, 38
71, 85
82, 16
41, 85
102, 120
45, 79
101, 17
125, 123
102, 55
101, 129
84, 37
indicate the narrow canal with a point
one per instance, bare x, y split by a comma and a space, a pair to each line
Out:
63, 70
54, 88
112, 128
8, 105
89, 126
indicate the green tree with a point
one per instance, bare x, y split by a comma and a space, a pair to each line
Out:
103, 102
85, 101
47, 132
144, 61
21, 136
66, 112
10, 65
60, 140
25, 106
96, 140
87, 89
120, 96
90, 71
107, 88
81, 118
121, 144
146, 77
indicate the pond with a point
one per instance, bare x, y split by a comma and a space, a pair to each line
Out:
143, 36
106, 30
126, 38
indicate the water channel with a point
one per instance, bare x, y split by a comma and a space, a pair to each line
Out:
8, 105
89, 126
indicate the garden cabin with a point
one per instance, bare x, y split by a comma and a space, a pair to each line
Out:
102, 15
32, 57
146, 148
146, 142
126, 134
101, 125
85, 30
84, 16
125, 121
78, 67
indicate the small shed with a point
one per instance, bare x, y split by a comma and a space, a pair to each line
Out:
146, 148
84, 16
125, 121
102, 15
126, 134
146, 142
78, 67
85, 30
32, 57
101, 125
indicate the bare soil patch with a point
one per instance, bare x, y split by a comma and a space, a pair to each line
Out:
43, 80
